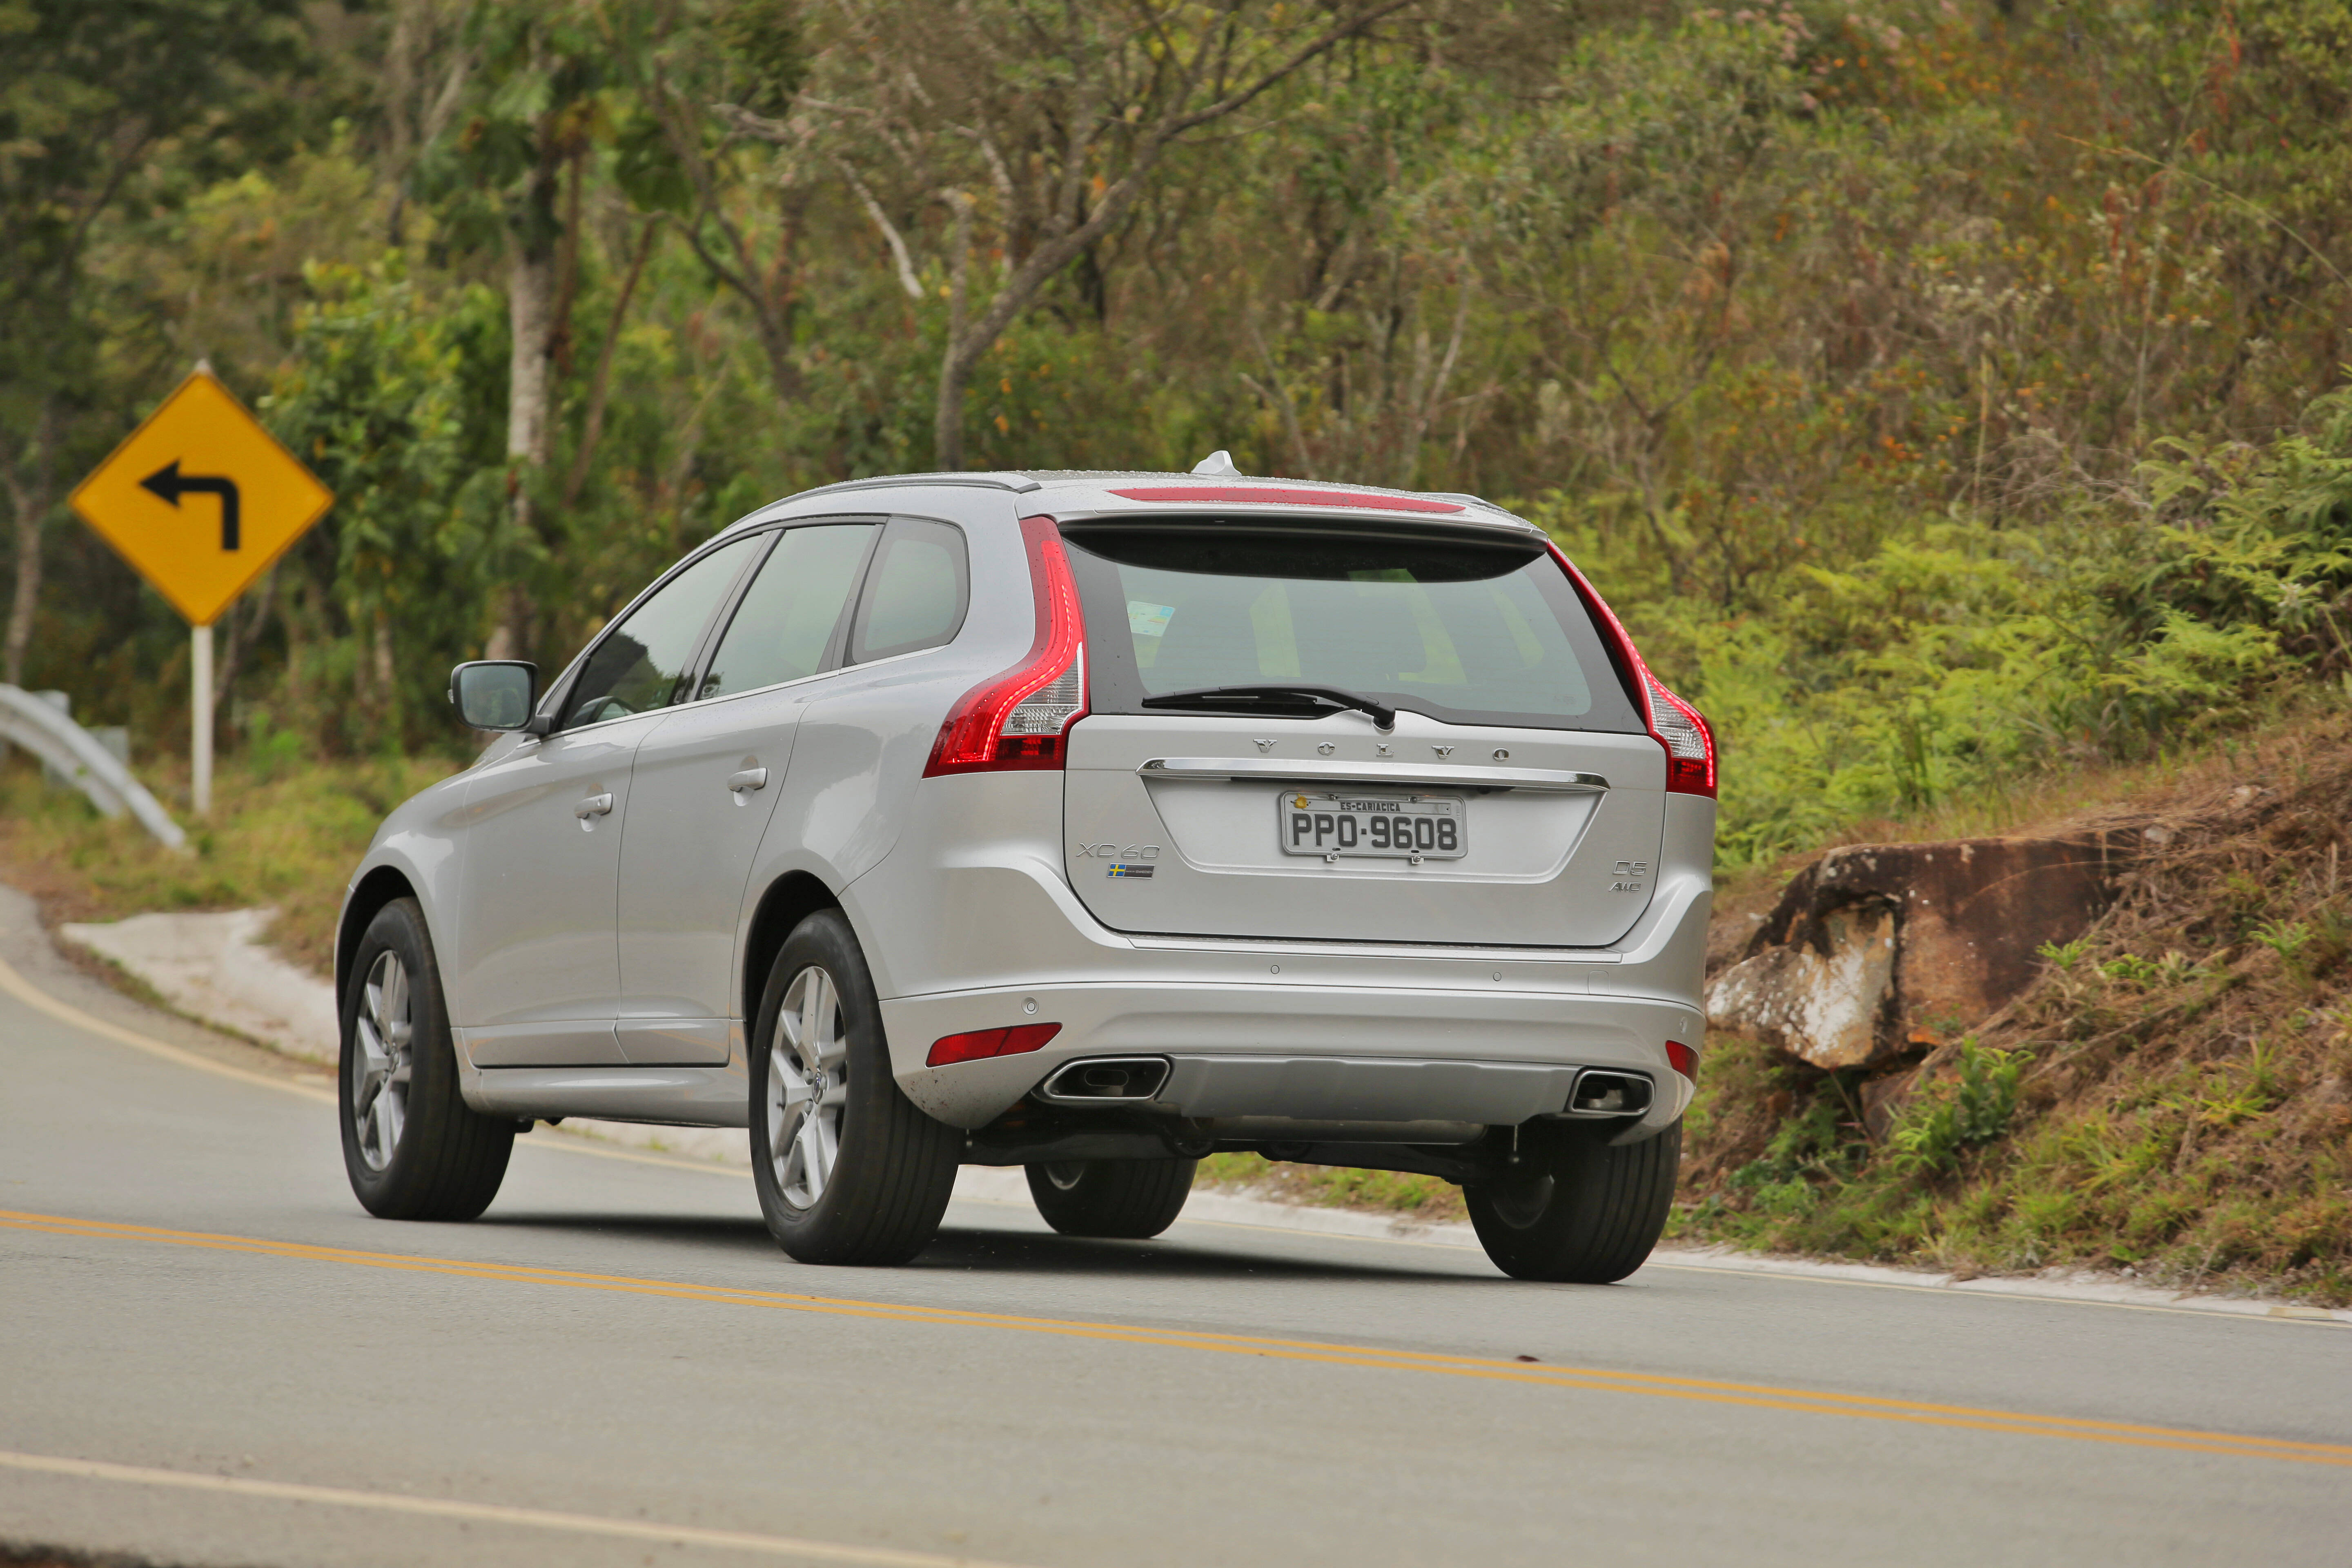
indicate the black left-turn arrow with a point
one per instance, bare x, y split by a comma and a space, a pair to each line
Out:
168, 482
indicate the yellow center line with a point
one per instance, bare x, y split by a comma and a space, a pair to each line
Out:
493, 1513
15, 984
1594, 1379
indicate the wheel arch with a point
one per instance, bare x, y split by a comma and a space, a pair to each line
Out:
368, 897
790, 900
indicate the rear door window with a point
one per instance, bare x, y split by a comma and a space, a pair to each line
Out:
1465, 631
786, 627
916, 592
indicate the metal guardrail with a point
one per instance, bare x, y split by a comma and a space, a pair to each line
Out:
26, 720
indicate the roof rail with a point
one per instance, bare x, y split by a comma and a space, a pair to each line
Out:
1017, 483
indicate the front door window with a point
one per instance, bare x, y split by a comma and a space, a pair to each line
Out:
646, 661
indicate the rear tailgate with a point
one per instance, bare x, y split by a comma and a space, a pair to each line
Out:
1197, 845
1518, 799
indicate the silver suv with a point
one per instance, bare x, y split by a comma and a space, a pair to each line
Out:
1090, 823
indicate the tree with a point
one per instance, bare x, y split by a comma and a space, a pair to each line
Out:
1046, 119
536, 108
674, 156
373, 398
89, 90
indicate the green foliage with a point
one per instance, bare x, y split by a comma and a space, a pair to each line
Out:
1932, 418
1964, 1112
2063, 956
374, 404
1961, 656
762, 39
286, 831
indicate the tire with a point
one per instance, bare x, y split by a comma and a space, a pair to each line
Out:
1589, 1212
412, 1146
863, 1177
1132, 1199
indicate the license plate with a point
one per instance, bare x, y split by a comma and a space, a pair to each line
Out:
1391, 827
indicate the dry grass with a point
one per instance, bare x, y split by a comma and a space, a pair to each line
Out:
1332, 1186
2183, 1073
285, 836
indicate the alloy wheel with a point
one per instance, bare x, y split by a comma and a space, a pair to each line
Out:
386, 1032
808, 1085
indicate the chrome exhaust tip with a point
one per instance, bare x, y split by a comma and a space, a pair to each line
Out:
1096, 1079
1602, 1093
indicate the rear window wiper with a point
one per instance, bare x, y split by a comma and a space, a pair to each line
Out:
1300, 700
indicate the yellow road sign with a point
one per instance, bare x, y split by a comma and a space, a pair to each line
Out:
201, 499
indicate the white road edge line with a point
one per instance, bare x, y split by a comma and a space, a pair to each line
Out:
40, 1001
1796, 1270
495, 1513
33, 996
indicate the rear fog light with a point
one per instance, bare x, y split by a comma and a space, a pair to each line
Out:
981, 1044
1683, 1060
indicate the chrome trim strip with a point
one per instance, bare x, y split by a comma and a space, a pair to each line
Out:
1329, 947
1251, 770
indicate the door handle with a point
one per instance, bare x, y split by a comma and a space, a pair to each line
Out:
594, 805
749, 779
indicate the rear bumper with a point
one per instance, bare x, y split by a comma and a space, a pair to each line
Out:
971, 919
1304, 1052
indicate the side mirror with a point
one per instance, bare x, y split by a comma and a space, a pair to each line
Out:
494, 693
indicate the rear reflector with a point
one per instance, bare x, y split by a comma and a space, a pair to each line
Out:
982, 1044
1683, 1060
1269, 495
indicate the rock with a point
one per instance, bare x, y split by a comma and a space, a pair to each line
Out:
1876, 950
1826, 999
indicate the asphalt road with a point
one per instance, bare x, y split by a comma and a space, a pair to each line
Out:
208, 1353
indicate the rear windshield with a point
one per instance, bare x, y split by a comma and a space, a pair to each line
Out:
1463, 631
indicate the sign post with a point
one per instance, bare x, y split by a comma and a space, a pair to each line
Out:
201, 500
199, 720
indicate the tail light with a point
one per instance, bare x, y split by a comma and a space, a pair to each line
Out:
1689, 740
1674, 724
1021, 718
981, 1044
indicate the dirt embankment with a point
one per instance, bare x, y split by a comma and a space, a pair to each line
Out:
2119, 1039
